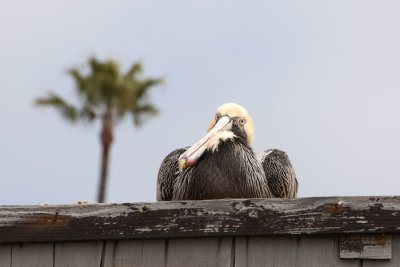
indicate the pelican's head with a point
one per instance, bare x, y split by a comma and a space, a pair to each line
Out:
231, 120
241, 123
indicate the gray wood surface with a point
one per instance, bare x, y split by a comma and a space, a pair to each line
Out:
279, 251
154, 252
175, 252
199, 252
5, 255
288, 252
142, 253
123, 253
241, 248
32, 255
321, 251
228, 217
378, 246
82, 254
394, 262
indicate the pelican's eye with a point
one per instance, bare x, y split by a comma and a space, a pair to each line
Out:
242, 122
217, 117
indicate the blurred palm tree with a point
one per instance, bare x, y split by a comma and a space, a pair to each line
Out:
107, 94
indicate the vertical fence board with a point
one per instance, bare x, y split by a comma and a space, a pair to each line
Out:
5, 255
32, 255
82, 254
271, 251
304, 251
136, 253
241, 251
154, 252
124, 253
199, 252
321, 251
289, 251
394, 262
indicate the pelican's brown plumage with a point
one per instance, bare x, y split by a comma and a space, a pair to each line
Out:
223, 165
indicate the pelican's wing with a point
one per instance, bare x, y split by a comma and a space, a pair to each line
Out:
279, 172
167, 175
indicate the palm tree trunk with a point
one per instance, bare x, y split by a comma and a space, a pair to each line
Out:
106, 138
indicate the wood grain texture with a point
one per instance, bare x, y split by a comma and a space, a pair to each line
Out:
229, 217
241, 251
5, 255
321, 251
280, 251
124, 253
199, 252
272, 251
288, 252
82, 254
394, 262
141, 253
154, 252
32, 255
378, 246
175, 252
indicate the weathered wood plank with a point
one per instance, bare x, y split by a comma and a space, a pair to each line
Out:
229, 217
123, 253
321, 251
5, 255
154, 252
288, 252
32, 255
142, 253
394, 262
82, 254
241, 251
271, 251
370, 246
175, 252
199, 252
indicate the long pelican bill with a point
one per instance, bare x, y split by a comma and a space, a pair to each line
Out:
191, 156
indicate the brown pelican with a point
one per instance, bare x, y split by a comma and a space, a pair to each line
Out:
223, 165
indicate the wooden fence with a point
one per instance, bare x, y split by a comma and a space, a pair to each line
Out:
329, 231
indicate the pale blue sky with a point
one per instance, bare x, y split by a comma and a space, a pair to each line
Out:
321, 80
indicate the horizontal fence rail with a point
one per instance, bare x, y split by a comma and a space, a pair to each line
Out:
208, 218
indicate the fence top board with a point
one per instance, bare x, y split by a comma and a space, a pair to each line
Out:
227, 217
